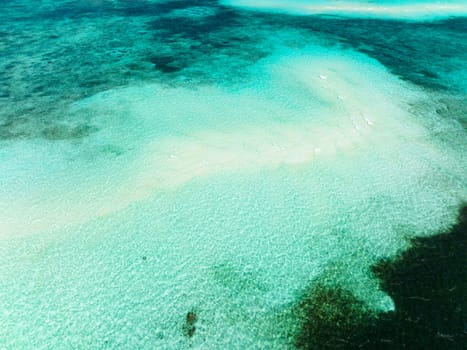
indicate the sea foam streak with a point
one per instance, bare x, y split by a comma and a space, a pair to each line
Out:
291, 116
413, 11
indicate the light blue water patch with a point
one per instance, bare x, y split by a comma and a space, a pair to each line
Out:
405, 9
301, 108
229, 200
235, 249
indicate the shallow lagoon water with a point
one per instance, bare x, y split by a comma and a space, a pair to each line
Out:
221, 173
389, 9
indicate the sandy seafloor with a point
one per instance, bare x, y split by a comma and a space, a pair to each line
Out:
180, 174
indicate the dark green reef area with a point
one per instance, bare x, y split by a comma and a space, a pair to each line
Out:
428, 284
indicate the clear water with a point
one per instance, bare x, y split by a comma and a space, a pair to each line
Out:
162, 157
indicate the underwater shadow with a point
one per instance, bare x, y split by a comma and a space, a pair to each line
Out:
428, 284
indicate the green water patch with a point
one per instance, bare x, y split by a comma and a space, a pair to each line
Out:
238, 281
330, 316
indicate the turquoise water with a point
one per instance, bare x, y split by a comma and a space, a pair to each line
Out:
407, 9
160, 158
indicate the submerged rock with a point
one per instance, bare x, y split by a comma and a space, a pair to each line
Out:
63, 132
331, 318
189, 326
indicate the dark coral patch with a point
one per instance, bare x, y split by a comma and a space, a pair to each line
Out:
331, 318
189, 327
428, 284
59, 132
165, 64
